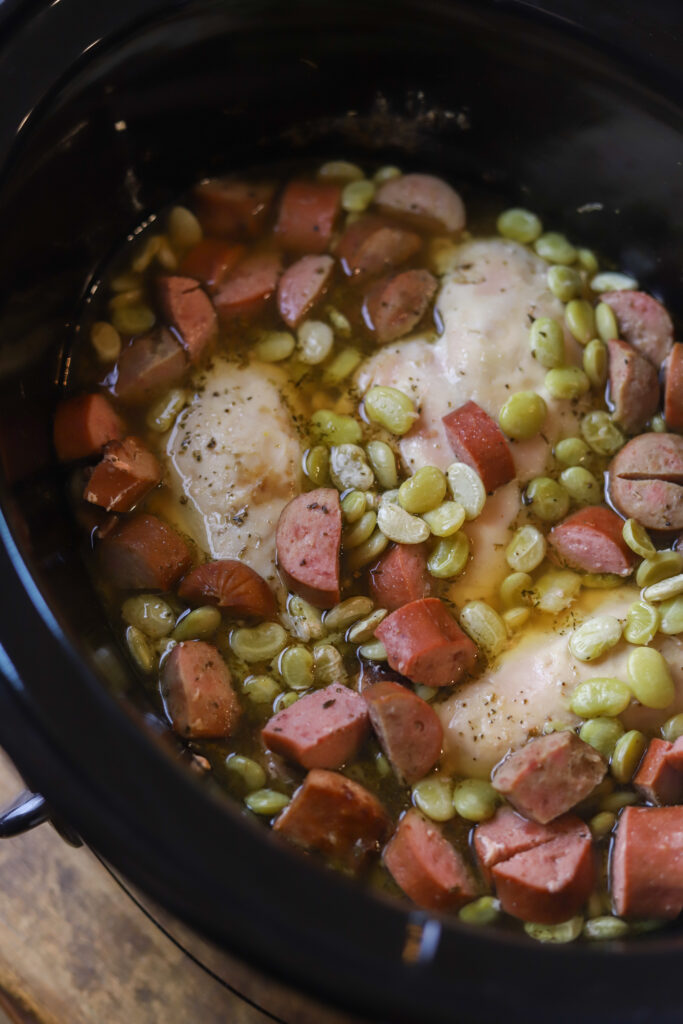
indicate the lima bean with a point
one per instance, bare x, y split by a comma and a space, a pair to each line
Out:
601, 697
649, 678
449, 556
390, 408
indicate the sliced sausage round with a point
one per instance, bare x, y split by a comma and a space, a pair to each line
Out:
233, 208
549, 775
400, 576
372, 246
549, 883
427, 867
422, 200
335, 816
308, 211
647, 863
302, 286
409, 731
211, 261
507, 833
673, 391
148, 366
478, 441
425, 643
248, 288
128, 471
659, 780
323, 729
646, 481
188, 310
643, 322
395, 306
83, 425
232, 585
307, 540
143, 553
591, 540
633, 386
196, 688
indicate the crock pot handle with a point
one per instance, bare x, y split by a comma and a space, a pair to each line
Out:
27, 811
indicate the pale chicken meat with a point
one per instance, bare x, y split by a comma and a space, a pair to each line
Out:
530, 686
234, 461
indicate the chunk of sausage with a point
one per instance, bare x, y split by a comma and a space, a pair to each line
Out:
507, 833
395, 306
249, 287
400, 576
675, 755
658, 778
549, 775
409, 731
143, 553
236, 209
149, 366
211, 261
188, 310
232, 585
673, 390
335, 816
647, 863
302, 286
634, 386
196, 688
646, 481
128, 471
83, 425
427, 867
478, 441
549, 883
425, 643
422, 200
372, 246
643, 322
307, 540
323, 729
591, 539
308, 211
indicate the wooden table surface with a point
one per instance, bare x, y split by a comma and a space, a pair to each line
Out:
75, 949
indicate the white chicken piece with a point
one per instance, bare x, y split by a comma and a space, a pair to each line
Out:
234, 461
491, 293
531, 684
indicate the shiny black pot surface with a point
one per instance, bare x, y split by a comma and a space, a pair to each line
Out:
109, 111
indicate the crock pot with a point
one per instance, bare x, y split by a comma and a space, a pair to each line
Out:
109, 111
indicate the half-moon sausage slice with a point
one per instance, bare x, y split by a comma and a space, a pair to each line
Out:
673, 391
83, 425
308, 539
400, 576
321, 730
634, 386
425, 643
196, 688
643, 322
427, 867
408, 729
335, 816
422, 200
302, 286
478, 441
232, 208
647, 863
549, 775
658, 778
128, 471
507, 833
229, 584
148, 366
249, 286
211, 261
591, 540
646, 481
308, 211
395, 306
372, 246
187, 308
143, 553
